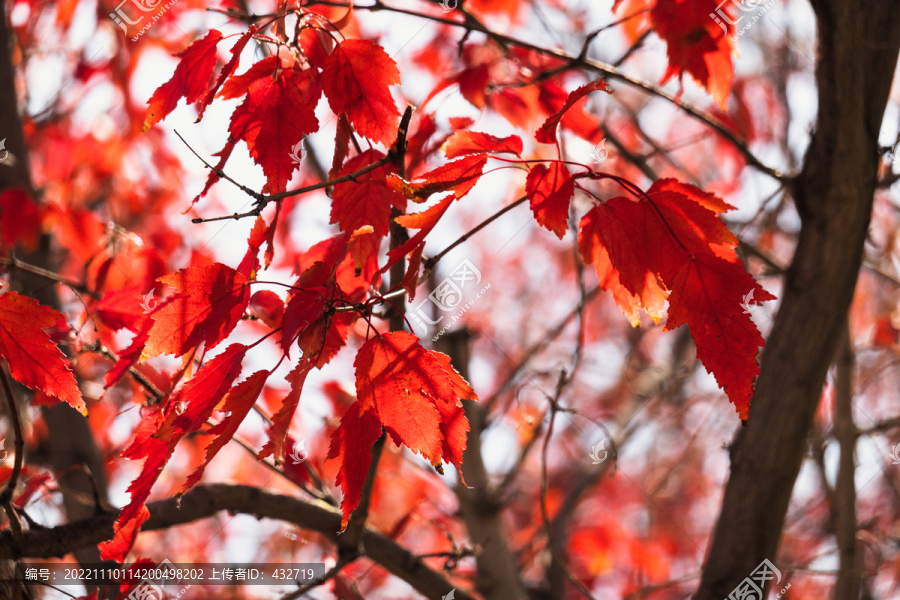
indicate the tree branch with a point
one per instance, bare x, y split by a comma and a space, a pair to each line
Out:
205, 501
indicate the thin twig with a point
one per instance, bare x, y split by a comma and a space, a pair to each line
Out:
331, 574
585, 63
7, 494
430, 262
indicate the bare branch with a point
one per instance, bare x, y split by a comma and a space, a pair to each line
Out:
205, 501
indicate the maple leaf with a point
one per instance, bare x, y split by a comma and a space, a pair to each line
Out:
411, 391
592, 246
352, 442
211, 302
21, 222
237, 402
128, 357
198, 397
367, 201
303, 308
547, 132
34, 360
464, 142
549, 190
669, 241
121, 309
706, 295
268, 307
189, 81
238, 85
460, 176
552, 98
227, 70
250, 263
224, 154
357, 76
424, 221
696, 44
274, 117
281, 421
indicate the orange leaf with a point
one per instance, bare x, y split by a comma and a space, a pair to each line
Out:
460, 176
213, 299
472, 142
412, 393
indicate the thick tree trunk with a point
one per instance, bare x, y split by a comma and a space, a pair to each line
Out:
857, 54
498, 575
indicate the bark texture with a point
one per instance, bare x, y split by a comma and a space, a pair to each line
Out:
498, 573
858, 43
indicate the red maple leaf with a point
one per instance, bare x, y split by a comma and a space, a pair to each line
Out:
123, 308
34, 360
238, 85
696, 44
189, 81
274, 117
547, 132
268, 307
549, 190
186, 411
669, 240
228, 69
410, 389
212, 298
250, 263
129, 356
303, 308
424, 221
237, 403
357, 77
367, 201
460, 176
352, 442
281, 421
